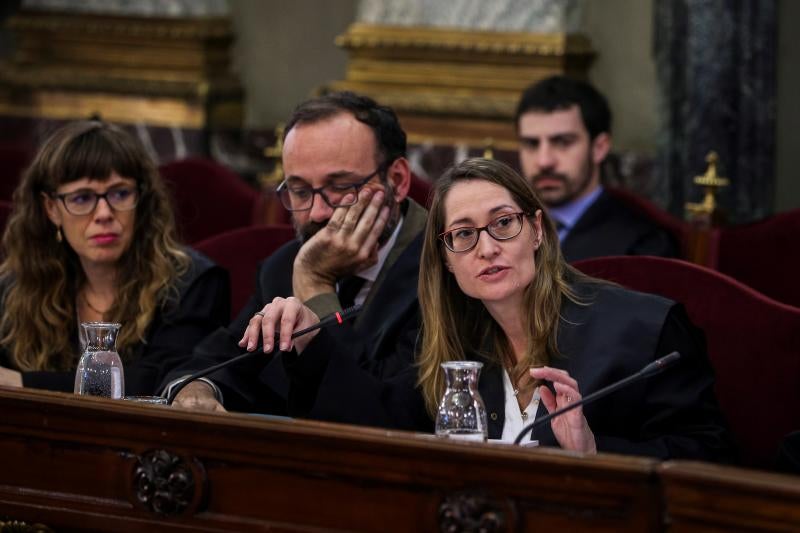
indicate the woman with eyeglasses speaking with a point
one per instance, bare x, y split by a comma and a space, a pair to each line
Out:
494, 288
92, 238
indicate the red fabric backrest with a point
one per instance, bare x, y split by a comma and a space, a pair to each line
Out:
671, 224
13, 162
753, 343
420, 191
209, 199
764, 255
239, 251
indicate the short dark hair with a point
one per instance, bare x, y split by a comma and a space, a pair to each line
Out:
557, 93
390, 138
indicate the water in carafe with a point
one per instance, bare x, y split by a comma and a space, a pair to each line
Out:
461, 413
100, 371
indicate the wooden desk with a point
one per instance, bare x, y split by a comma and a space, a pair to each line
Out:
76, 463
89, 464
706, 497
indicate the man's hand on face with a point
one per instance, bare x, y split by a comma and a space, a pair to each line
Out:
346, 245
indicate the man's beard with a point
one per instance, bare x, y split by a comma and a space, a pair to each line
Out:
569, 193
310, 228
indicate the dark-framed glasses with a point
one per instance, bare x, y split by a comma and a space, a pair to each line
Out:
465, 238
84, 201
297, 195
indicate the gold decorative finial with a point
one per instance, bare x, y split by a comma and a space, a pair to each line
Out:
488, 148
711, 181
275, 152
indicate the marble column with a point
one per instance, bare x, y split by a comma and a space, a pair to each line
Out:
542, 16
716, 67
454, 71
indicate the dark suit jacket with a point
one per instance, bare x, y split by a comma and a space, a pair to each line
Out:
609, 227
380, 341
203, 303
671, 415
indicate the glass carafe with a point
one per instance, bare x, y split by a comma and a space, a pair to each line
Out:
462, 414
100, 368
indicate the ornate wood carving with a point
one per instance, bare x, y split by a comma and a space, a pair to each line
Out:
164, 483
459, 80
16, 526
69, 461
471, 512
68, 66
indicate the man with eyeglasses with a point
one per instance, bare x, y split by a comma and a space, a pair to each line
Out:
358, 242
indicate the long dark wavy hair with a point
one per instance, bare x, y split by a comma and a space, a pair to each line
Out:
454, 323
43, 276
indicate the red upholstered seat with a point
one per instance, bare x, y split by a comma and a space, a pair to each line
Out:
753, 343
239, 251
13, 161
764, 255
209, 198
420, 191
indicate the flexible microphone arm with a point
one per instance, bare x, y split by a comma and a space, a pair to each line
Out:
332, 319
650, 370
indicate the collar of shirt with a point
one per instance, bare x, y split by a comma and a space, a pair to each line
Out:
371, 274
568, 214
513, 421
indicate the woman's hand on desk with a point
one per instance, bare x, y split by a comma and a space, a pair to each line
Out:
283, 316
10, 378
198, 396
570, 429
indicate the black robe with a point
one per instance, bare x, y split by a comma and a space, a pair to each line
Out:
203, 304
609, 227
380, 341
671, 415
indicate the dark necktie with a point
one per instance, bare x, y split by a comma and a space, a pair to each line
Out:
348, 290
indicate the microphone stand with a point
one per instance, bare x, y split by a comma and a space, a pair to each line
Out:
332, 319
650, 370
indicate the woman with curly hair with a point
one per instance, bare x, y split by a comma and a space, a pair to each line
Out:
92, 238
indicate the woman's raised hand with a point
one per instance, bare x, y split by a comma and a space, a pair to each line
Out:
570, 429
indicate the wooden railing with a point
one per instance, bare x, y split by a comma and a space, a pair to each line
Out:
74, 463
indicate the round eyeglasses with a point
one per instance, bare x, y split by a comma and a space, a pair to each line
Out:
84, 201
465, 238
296, 195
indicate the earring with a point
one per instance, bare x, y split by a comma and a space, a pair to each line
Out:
59, 237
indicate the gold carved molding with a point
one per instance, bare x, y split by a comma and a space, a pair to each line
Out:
453, 76
361, 36
18, 526
161, 71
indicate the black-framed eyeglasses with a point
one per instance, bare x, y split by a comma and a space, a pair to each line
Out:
299, 196
83, 202
502, 228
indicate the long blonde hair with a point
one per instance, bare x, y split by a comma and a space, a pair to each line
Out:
42, 276
453, 321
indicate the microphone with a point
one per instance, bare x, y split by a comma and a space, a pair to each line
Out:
336, 318
650, 369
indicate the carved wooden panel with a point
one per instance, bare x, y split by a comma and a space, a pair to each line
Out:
93, 464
